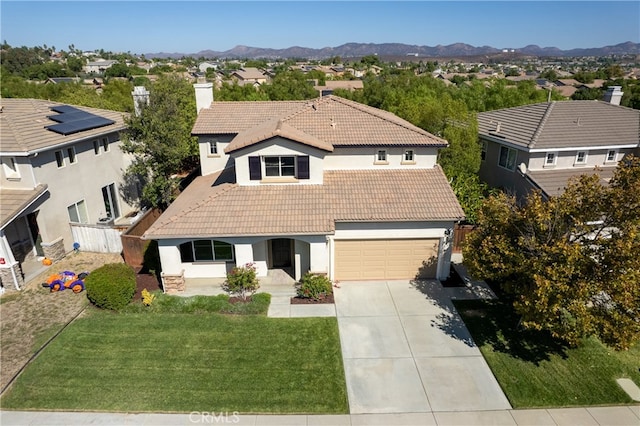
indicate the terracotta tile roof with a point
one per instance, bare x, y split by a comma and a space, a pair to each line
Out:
215, 206
334, 120
554, 182
563, 124
273, 128
23, 121
14, 201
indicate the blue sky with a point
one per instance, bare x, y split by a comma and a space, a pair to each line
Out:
189, 27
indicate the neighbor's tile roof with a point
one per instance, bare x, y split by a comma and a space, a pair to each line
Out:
334, 120
563, 124
554, 182
23, 121
14, 201
215, 206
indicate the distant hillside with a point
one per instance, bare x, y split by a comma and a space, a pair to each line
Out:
351, 50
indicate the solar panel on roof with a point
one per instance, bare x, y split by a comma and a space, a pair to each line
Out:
73, 120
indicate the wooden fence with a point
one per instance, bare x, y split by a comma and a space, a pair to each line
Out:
460, 232
133, 245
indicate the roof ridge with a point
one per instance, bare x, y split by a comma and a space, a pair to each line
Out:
543, 121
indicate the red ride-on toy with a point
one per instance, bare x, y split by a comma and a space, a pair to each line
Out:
64, 280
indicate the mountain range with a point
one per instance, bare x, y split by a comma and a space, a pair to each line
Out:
351, 50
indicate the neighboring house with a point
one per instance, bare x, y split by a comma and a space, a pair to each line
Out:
60, 164
249, 76
99, 66
58, 80
204, 66
328, 185
331, 85
541, 146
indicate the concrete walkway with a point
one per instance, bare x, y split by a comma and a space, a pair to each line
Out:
623, 416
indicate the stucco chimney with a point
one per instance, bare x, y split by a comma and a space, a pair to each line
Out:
613, 95
140, 97
204, 95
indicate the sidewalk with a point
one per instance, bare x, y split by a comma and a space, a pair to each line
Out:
627, 416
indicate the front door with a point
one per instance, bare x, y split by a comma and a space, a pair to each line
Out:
281, 253
32, 220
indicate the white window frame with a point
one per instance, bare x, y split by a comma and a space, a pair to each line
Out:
409, 156
553, 161
382, 157
105, 144
615, 156
96, 147
279, 175
584, 158
510, 151
10, 167
71, 155
59, 155
213, 148
112, 197
80, 208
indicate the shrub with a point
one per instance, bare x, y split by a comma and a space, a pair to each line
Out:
147, 298
242, 281
111, 286
313, 286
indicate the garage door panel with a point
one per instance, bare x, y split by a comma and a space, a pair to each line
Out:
385, 259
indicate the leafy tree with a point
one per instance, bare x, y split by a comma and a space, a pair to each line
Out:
75, 63
160, 140
587, 94
118, 70
290, 85
549, 74
571, 262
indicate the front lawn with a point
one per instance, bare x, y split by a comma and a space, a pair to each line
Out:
535, 371
181, 362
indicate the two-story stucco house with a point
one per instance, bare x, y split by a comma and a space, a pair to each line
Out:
541, 146
60, 165
328, 185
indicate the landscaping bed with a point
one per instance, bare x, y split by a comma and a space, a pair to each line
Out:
536, 371
152, 362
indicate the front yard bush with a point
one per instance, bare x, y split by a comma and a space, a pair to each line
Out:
314, 286
242, 281
111, 286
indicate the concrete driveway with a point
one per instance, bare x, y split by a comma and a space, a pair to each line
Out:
406, 350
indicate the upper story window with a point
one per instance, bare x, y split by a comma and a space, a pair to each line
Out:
206, 251
408, 156
280, 166
507, 158
381, 156
550, 159
581, 157
71, 155
96, 147
10, 168
59, 158
287, 166
483, 150
78, 212
213, 147
105, 144
612, 156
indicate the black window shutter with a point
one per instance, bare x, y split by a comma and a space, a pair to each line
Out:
255, 172
303, 167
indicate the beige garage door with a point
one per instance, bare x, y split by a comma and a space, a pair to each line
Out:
385, 259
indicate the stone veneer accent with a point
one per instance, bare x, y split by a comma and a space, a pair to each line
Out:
6, 277
54, 250
172, 283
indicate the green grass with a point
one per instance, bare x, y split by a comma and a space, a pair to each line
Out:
167, 304
535, 371
184, 362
